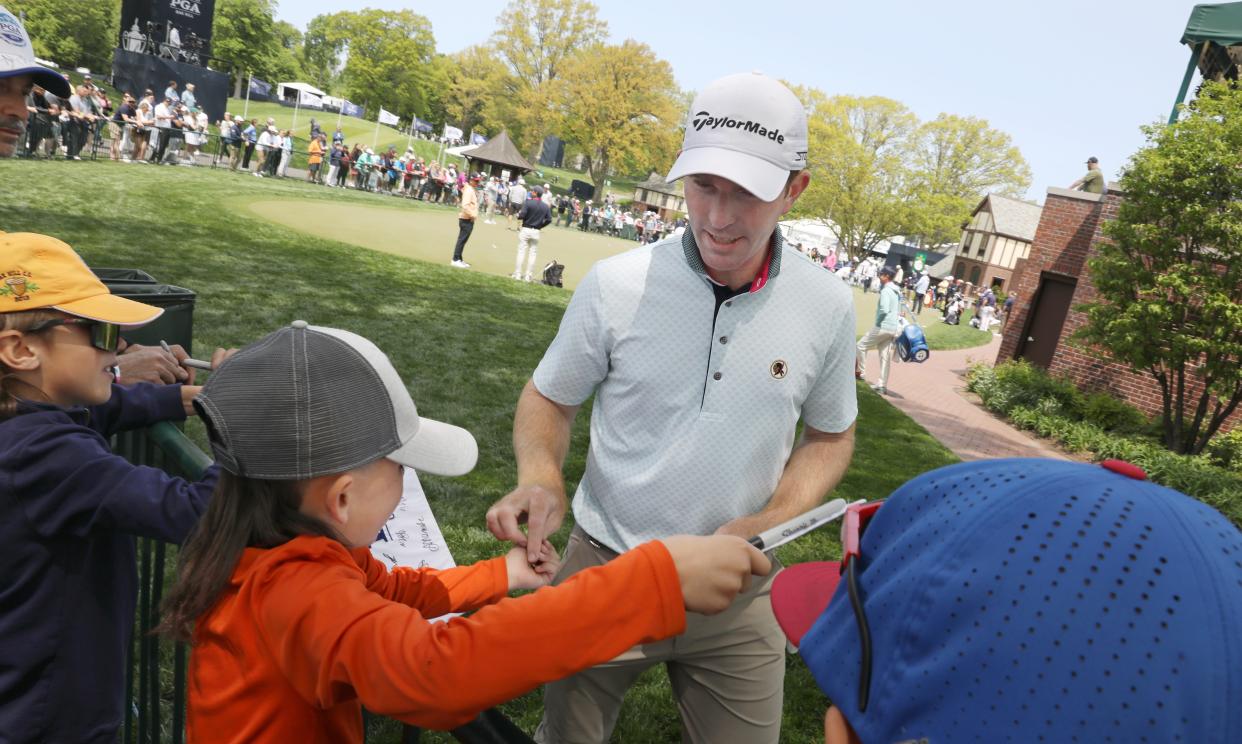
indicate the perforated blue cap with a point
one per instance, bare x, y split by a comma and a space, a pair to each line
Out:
1035, 600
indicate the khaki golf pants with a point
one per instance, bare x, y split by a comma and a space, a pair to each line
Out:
528, 249
727, 671
881, 340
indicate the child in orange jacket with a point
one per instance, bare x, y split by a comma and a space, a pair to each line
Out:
296, 627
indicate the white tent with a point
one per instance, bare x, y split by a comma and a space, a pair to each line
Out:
809, 234
290, 91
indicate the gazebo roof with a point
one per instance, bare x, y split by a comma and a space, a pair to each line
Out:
501, 151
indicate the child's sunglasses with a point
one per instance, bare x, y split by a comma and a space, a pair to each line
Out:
104, 336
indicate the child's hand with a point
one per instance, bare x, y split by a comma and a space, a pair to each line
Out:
524, 575
714, 570
187, 398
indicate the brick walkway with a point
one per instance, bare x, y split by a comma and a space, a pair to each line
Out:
933, 394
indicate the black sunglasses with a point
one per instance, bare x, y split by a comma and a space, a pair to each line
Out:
104, 336
852, 527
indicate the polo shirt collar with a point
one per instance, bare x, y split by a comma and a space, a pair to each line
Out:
766, 274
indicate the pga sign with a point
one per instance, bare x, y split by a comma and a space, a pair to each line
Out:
187, 8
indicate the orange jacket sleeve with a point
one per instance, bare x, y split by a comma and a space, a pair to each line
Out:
435, 592
333, 638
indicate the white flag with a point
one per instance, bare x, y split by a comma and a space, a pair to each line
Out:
452, 132
309, 100
387, 117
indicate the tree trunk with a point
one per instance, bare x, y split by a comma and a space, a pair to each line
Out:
1218, 417
237, 89
599, 174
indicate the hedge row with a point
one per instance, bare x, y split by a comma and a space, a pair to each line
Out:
1093, 425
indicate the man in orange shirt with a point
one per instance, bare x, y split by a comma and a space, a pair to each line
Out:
316, 150
466, 216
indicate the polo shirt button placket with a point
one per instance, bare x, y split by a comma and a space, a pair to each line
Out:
717, 376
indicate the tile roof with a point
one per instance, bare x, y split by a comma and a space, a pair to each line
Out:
1013, 217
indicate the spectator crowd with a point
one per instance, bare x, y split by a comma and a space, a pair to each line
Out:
951, 296
172, 129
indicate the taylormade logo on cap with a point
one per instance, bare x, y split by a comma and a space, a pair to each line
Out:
748, 128
704, 119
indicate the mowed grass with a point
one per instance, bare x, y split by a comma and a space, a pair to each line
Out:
428, 232
465, 342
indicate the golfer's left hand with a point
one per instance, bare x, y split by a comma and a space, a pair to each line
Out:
525, 575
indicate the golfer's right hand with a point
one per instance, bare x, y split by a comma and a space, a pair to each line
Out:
540, 508
714, 570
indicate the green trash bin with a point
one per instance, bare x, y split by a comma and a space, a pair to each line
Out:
176, 325
134, 276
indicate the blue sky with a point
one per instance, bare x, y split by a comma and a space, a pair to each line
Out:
1065, 78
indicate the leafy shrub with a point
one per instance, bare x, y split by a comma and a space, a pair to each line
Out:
1111, 414
1195, 476
1021, 384
1226, 450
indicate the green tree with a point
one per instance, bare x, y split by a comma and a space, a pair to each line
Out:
619, 105
389, 59
323, 47
476, 96
287, 61
71, 33
534, 39
956, 160
1169, 281
245, 34
860, 155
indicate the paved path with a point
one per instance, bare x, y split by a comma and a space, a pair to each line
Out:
934, 394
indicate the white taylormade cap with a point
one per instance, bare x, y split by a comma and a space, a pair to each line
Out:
748, 128
17, 57
306, 401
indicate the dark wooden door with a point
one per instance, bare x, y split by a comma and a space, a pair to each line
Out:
1043, 329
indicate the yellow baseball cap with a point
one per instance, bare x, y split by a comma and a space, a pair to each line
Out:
39, 272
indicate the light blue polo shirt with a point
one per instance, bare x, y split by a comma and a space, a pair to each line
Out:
695, 415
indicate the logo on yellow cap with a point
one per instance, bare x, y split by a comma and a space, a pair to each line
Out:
18, 284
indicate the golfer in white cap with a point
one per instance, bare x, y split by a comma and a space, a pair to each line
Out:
703, 351
19, 72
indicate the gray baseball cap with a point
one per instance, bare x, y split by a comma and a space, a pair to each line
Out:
307, 401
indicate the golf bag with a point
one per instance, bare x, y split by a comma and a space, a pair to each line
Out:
552, 273
911, 343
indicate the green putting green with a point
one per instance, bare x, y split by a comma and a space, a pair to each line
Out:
429, 233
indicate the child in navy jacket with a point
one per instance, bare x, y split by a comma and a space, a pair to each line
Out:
69, 508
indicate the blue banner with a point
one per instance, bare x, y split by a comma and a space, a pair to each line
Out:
351, 109
477, 139
423, 126
259, 88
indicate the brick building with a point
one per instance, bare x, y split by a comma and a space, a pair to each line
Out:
1051, 281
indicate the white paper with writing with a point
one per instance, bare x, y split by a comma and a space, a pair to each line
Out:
411, 537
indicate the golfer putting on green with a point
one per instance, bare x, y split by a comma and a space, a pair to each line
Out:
703, 351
